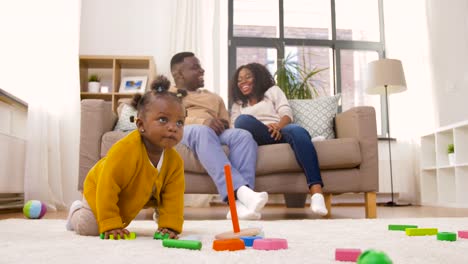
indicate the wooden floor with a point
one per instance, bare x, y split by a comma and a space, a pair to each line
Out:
280, 212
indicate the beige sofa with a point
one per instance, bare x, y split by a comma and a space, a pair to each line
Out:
349, 163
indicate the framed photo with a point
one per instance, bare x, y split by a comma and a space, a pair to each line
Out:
134, 84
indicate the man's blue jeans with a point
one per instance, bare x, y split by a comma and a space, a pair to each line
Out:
295, 135
207, 146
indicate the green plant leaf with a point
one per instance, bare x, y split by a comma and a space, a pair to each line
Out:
94, 78
295, 80
450, 148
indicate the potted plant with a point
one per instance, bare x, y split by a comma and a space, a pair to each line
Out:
296, 80
94, 83
451, 154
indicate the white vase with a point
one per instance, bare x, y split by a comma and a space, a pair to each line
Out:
451, 159
93, 87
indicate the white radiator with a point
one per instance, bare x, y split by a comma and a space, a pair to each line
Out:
13, 117
12, 156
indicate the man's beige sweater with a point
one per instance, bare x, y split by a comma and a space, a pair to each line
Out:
202, 105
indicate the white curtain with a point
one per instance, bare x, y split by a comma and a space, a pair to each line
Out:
39, 64
193, 29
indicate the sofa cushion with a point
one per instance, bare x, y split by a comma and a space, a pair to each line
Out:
109, 138
316, 115
124, 122
340, 153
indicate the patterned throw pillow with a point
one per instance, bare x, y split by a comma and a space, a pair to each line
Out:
124, 124
316, 115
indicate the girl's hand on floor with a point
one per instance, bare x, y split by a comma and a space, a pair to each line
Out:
115, 232
172, 234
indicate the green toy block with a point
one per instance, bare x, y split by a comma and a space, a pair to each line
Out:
421, 231
158, 235
131, 236
187, 244
446, 236
400, 227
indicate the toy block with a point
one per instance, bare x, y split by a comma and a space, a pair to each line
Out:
248, 240
131, 236
400, 227
158, 235
251, 231
270, 244
447, 236
347, 254
421, 231
463, 234
228, 244
187, 244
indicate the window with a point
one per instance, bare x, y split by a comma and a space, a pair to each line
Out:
340, 35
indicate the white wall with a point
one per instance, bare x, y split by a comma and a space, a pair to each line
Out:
448, 36
122, 27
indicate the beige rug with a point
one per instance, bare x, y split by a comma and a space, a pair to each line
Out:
310, 241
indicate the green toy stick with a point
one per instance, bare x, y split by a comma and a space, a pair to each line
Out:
400, 227
187, 244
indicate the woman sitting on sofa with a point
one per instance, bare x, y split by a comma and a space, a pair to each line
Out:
262, 108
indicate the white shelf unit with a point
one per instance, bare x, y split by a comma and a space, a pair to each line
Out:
444, 184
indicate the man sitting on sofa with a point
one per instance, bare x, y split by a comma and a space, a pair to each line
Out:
207, 129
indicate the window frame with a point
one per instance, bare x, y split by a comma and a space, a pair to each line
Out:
335, 45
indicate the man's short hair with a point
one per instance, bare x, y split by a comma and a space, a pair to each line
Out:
179, 58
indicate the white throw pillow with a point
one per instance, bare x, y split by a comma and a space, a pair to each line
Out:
316, 115
124, 124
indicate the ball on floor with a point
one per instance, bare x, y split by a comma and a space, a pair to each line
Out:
34, 209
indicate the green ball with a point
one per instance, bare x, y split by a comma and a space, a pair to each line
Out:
373, 257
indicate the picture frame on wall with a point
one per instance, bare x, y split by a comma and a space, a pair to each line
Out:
133, 84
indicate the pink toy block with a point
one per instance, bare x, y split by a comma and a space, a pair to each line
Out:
347, 254
270, 244
463, 234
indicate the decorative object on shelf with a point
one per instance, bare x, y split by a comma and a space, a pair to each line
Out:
451, 154
104, 89
386, 76
134, 84
94, 83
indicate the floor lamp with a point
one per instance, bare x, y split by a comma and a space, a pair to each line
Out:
386, 76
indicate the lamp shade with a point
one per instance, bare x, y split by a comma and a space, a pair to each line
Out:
385, 72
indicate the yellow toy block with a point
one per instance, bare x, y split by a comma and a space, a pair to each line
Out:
421, 231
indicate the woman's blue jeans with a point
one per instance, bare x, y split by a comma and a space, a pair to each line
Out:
296, 136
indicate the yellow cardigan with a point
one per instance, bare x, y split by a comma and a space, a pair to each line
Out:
120, 185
